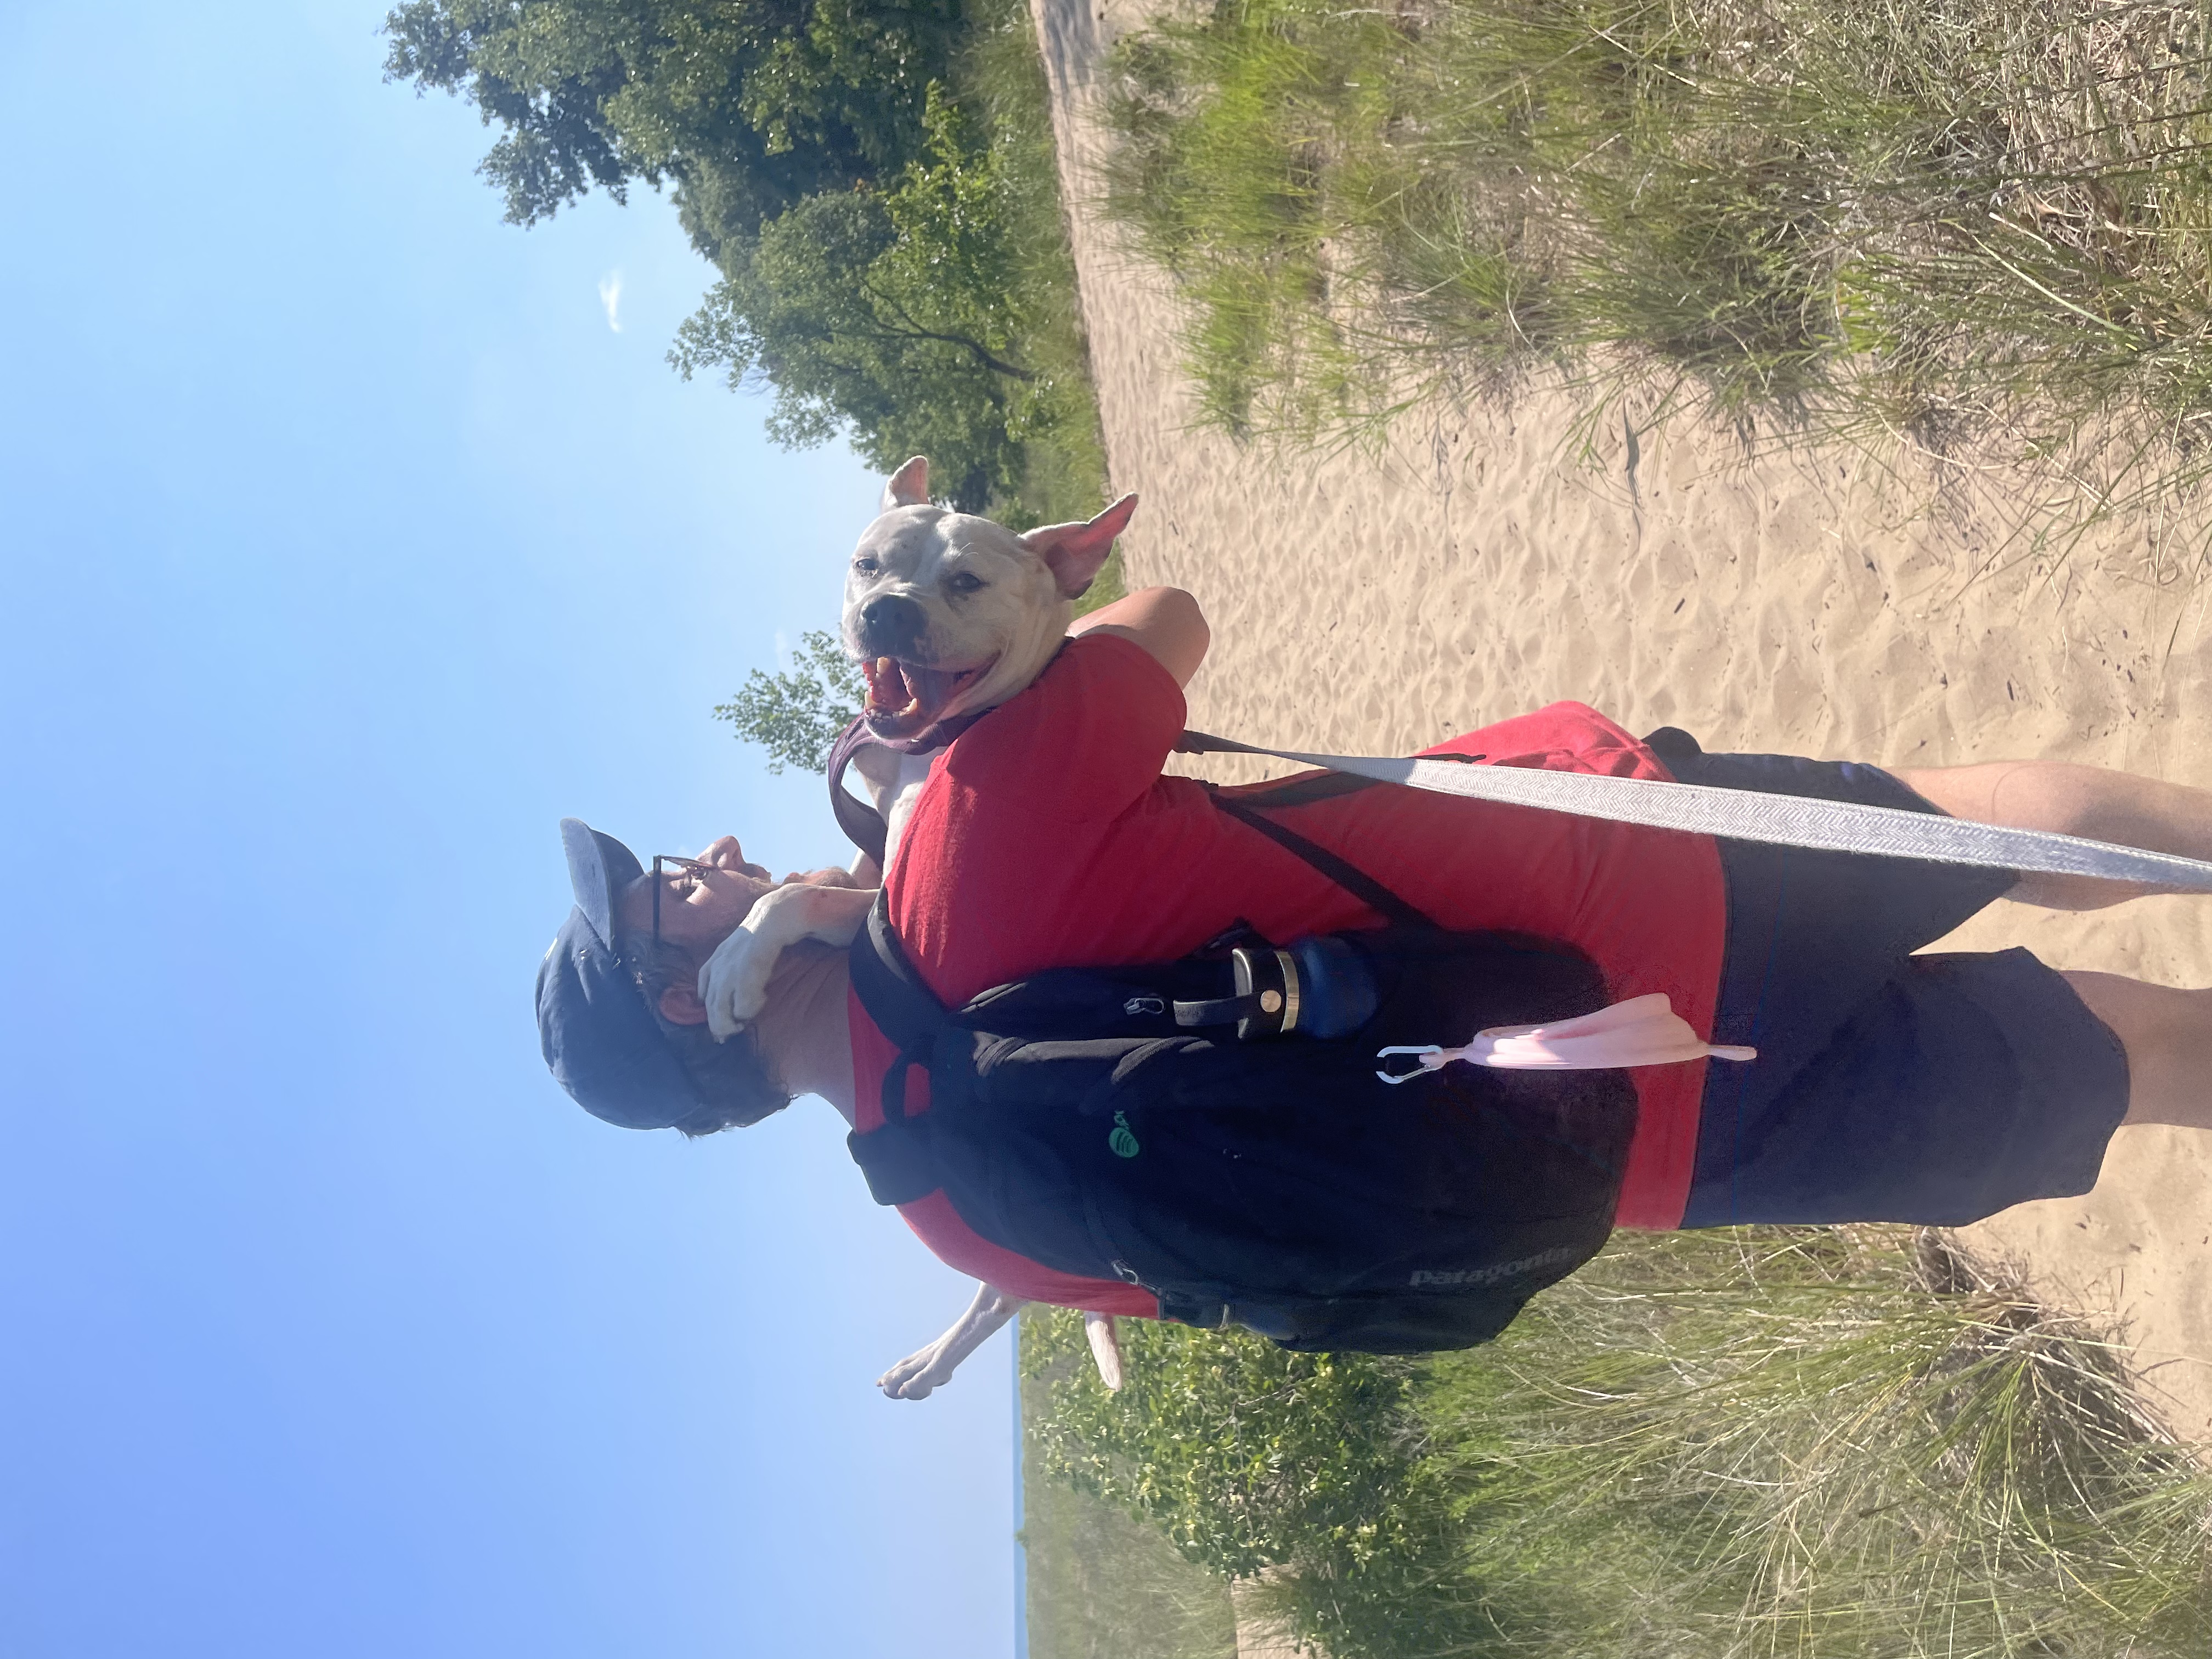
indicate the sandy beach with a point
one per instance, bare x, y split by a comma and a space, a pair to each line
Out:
1821, 603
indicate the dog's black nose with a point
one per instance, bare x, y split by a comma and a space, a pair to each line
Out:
891, 627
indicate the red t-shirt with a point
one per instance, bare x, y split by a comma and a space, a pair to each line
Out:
1047, 837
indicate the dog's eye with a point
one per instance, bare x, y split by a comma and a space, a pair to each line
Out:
961, 582
866, 565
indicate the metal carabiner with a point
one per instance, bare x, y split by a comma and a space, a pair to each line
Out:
1421, 1048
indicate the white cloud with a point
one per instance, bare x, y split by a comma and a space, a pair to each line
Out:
611, 298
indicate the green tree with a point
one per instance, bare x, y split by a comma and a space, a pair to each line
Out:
746, 106
893, 261
796, 715
879, 244
890, 315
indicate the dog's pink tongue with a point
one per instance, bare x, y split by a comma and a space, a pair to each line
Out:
933, 688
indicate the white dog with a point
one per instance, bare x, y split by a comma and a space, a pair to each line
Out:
948, 614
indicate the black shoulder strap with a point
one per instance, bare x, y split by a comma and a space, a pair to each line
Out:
899, 1158
1298, 792
1354, 880
902, 1005
899, 1162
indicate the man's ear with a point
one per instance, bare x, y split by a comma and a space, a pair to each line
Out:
907, 487
680, 1005
1074, 552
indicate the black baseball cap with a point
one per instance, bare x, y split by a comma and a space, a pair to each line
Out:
595, 1026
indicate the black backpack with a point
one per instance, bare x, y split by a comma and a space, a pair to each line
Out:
1157, 1124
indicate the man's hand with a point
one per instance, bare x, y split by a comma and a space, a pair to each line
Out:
734, 982
914, 1376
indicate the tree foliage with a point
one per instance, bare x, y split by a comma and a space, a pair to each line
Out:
888, 313
746, 106
893, 261
796, 715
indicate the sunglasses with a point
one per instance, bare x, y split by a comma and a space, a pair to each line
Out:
695, 866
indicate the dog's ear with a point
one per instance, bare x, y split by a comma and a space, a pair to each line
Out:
1074, 552
908, 486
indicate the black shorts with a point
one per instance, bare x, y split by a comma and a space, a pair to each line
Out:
1888, 1086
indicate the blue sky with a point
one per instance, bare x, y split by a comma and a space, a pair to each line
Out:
346, 547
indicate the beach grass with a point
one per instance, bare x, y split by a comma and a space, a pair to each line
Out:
1957, 223
1735, 1445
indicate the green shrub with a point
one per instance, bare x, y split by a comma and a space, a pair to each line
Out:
1102, 1585
1735, 1445
1304, 1455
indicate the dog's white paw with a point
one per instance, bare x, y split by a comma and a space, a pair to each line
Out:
918, 1375
734, 982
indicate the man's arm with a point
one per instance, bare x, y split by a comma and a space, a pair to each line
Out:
1165, 621
915, 1376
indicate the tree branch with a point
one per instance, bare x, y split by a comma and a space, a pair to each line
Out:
916, 331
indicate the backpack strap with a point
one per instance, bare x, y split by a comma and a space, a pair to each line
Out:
904, 1007
900, 1158
1355, 881
863, 824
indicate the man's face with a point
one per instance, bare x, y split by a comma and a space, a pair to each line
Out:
700, 908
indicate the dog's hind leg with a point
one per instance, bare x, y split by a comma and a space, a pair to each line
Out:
1105, 1348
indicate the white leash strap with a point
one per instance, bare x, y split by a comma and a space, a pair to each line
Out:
1752, 815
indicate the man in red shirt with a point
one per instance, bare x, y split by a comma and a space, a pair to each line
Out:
1889, 1085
